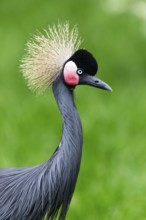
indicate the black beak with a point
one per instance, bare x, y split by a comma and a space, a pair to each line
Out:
94, 81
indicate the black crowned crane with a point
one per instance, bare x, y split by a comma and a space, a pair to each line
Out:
45, 191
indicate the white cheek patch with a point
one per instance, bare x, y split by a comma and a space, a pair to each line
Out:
70, 67
70, 73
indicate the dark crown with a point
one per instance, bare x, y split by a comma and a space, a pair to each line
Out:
85, 60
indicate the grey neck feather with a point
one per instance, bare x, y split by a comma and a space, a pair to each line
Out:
72, 130
45, 191
67, 157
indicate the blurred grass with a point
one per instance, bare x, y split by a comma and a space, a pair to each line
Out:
112, 180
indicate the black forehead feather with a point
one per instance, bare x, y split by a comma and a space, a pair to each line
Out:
85, 60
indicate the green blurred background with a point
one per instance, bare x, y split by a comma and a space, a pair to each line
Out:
112, 180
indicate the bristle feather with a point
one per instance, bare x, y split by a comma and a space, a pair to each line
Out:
46, 53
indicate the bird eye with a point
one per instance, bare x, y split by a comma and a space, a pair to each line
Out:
79, 71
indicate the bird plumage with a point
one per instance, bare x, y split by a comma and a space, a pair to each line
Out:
46, 54
44, 192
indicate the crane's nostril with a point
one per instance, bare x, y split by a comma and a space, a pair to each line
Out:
96, 81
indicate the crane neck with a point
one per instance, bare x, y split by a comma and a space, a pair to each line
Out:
72, 129
64, 164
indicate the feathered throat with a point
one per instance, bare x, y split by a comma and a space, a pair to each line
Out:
46, 54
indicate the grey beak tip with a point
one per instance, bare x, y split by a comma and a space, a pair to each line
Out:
110, 89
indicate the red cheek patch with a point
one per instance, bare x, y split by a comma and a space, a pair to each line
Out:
71, 78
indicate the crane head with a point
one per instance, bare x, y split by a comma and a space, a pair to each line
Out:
57, 49
81, 69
